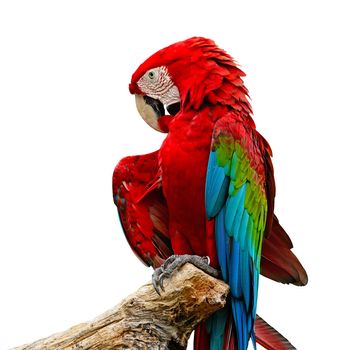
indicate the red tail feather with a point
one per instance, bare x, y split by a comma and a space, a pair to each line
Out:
201, 338
269, 338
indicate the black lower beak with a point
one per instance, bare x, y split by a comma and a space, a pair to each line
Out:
174, 108
156, 105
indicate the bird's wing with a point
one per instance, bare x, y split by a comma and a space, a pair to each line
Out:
142, 207
236, 197
278, 261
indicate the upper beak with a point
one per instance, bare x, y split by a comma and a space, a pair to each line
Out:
150, 110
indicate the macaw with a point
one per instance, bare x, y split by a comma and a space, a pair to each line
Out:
208, 191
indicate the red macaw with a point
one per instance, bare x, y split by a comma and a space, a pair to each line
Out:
209, 190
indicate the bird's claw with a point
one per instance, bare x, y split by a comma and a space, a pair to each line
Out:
161, 273
175, 262
157, 279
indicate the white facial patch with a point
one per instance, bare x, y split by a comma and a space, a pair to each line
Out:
156, 83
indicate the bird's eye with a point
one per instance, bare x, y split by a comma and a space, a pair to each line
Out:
151, 74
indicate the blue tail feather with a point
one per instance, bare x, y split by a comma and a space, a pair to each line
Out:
216, 328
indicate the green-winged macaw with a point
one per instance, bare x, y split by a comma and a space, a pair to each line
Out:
208, 191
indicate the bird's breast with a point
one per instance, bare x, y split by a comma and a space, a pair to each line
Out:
183, 160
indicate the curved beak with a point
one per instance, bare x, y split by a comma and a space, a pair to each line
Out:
153, 112
150, 110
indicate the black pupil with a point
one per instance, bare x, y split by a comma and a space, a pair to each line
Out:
151, 74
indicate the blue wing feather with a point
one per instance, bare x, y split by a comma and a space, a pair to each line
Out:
222, 244
245, 278
239, 214
217, 186
234, 269
234, 205
243, 229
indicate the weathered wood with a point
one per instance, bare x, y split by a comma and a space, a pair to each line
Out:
145, 320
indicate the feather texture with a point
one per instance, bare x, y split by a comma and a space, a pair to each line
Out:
269, 338
278, 261
142, 208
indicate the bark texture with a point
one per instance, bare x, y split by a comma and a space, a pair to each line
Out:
145, 320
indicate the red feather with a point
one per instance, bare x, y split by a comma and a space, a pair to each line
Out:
201, 337
142, 208
278, 262
269, 338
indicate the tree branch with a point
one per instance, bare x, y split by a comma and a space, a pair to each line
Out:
145, 320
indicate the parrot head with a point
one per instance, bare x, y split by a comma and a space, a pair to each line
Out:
186, 75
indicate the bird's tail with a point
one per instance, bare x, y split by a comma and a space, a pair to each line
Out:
269, 338
217, 333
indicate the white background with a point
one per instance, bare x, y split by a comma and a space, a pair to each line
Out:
67, 118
